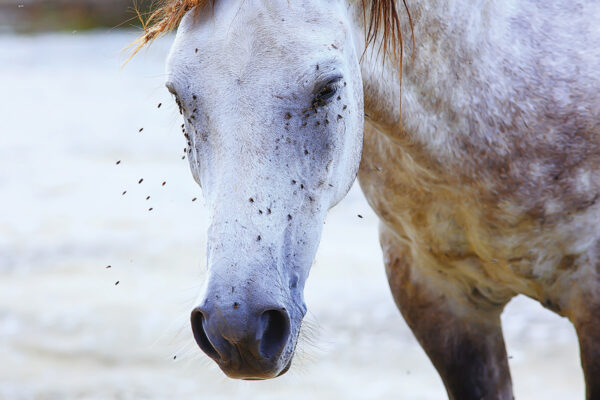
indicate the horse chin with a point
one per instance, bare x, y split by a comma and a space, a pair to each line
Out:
256, 375
283, 371
249, 369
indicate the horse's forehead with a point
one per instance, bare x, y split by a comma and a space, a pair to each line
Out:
232, 24
239, 42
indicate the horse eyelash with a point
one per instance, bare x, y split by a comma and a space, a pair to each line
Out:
327, 93
322, 97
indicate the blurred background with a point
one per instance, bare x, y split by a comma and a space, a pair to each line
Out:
97, 281
27, 16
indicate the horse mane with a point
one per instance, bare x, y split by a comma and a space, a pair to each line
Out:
383, 22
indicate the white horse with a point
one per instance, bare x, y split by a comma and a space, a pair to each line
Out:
481, 160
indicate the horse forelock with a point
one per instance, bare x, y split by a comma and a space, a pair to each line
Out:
383, 22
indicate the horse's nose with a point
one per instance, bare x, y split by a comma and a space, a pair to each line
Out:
243, 343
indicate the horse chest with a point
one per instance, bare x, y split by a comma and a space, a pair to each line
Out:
473, 228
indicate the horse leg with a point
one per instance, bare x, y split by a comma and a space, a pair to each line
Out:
584, 313
463, 340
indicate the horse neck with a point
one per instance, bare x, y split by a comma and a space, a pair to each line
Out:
445, 35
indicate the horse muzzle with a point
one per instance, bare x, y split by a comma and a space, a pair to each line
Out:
246, 341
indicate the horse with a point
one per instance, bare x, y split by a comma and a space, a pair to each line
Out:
472, 127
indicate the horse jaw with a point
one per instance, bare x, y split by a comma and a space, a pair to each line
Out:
272, 100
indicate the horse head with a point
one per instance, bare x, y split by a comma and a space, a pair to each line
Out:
272, 97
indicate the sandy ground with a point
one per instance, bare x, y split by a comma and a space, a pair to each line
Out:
67, 114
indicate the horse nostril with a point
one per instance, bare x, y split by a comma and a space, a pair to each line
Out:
276, 332
197, 320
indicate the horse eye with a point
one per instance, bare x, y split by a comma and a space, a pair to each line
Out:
171, 88
327, 91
